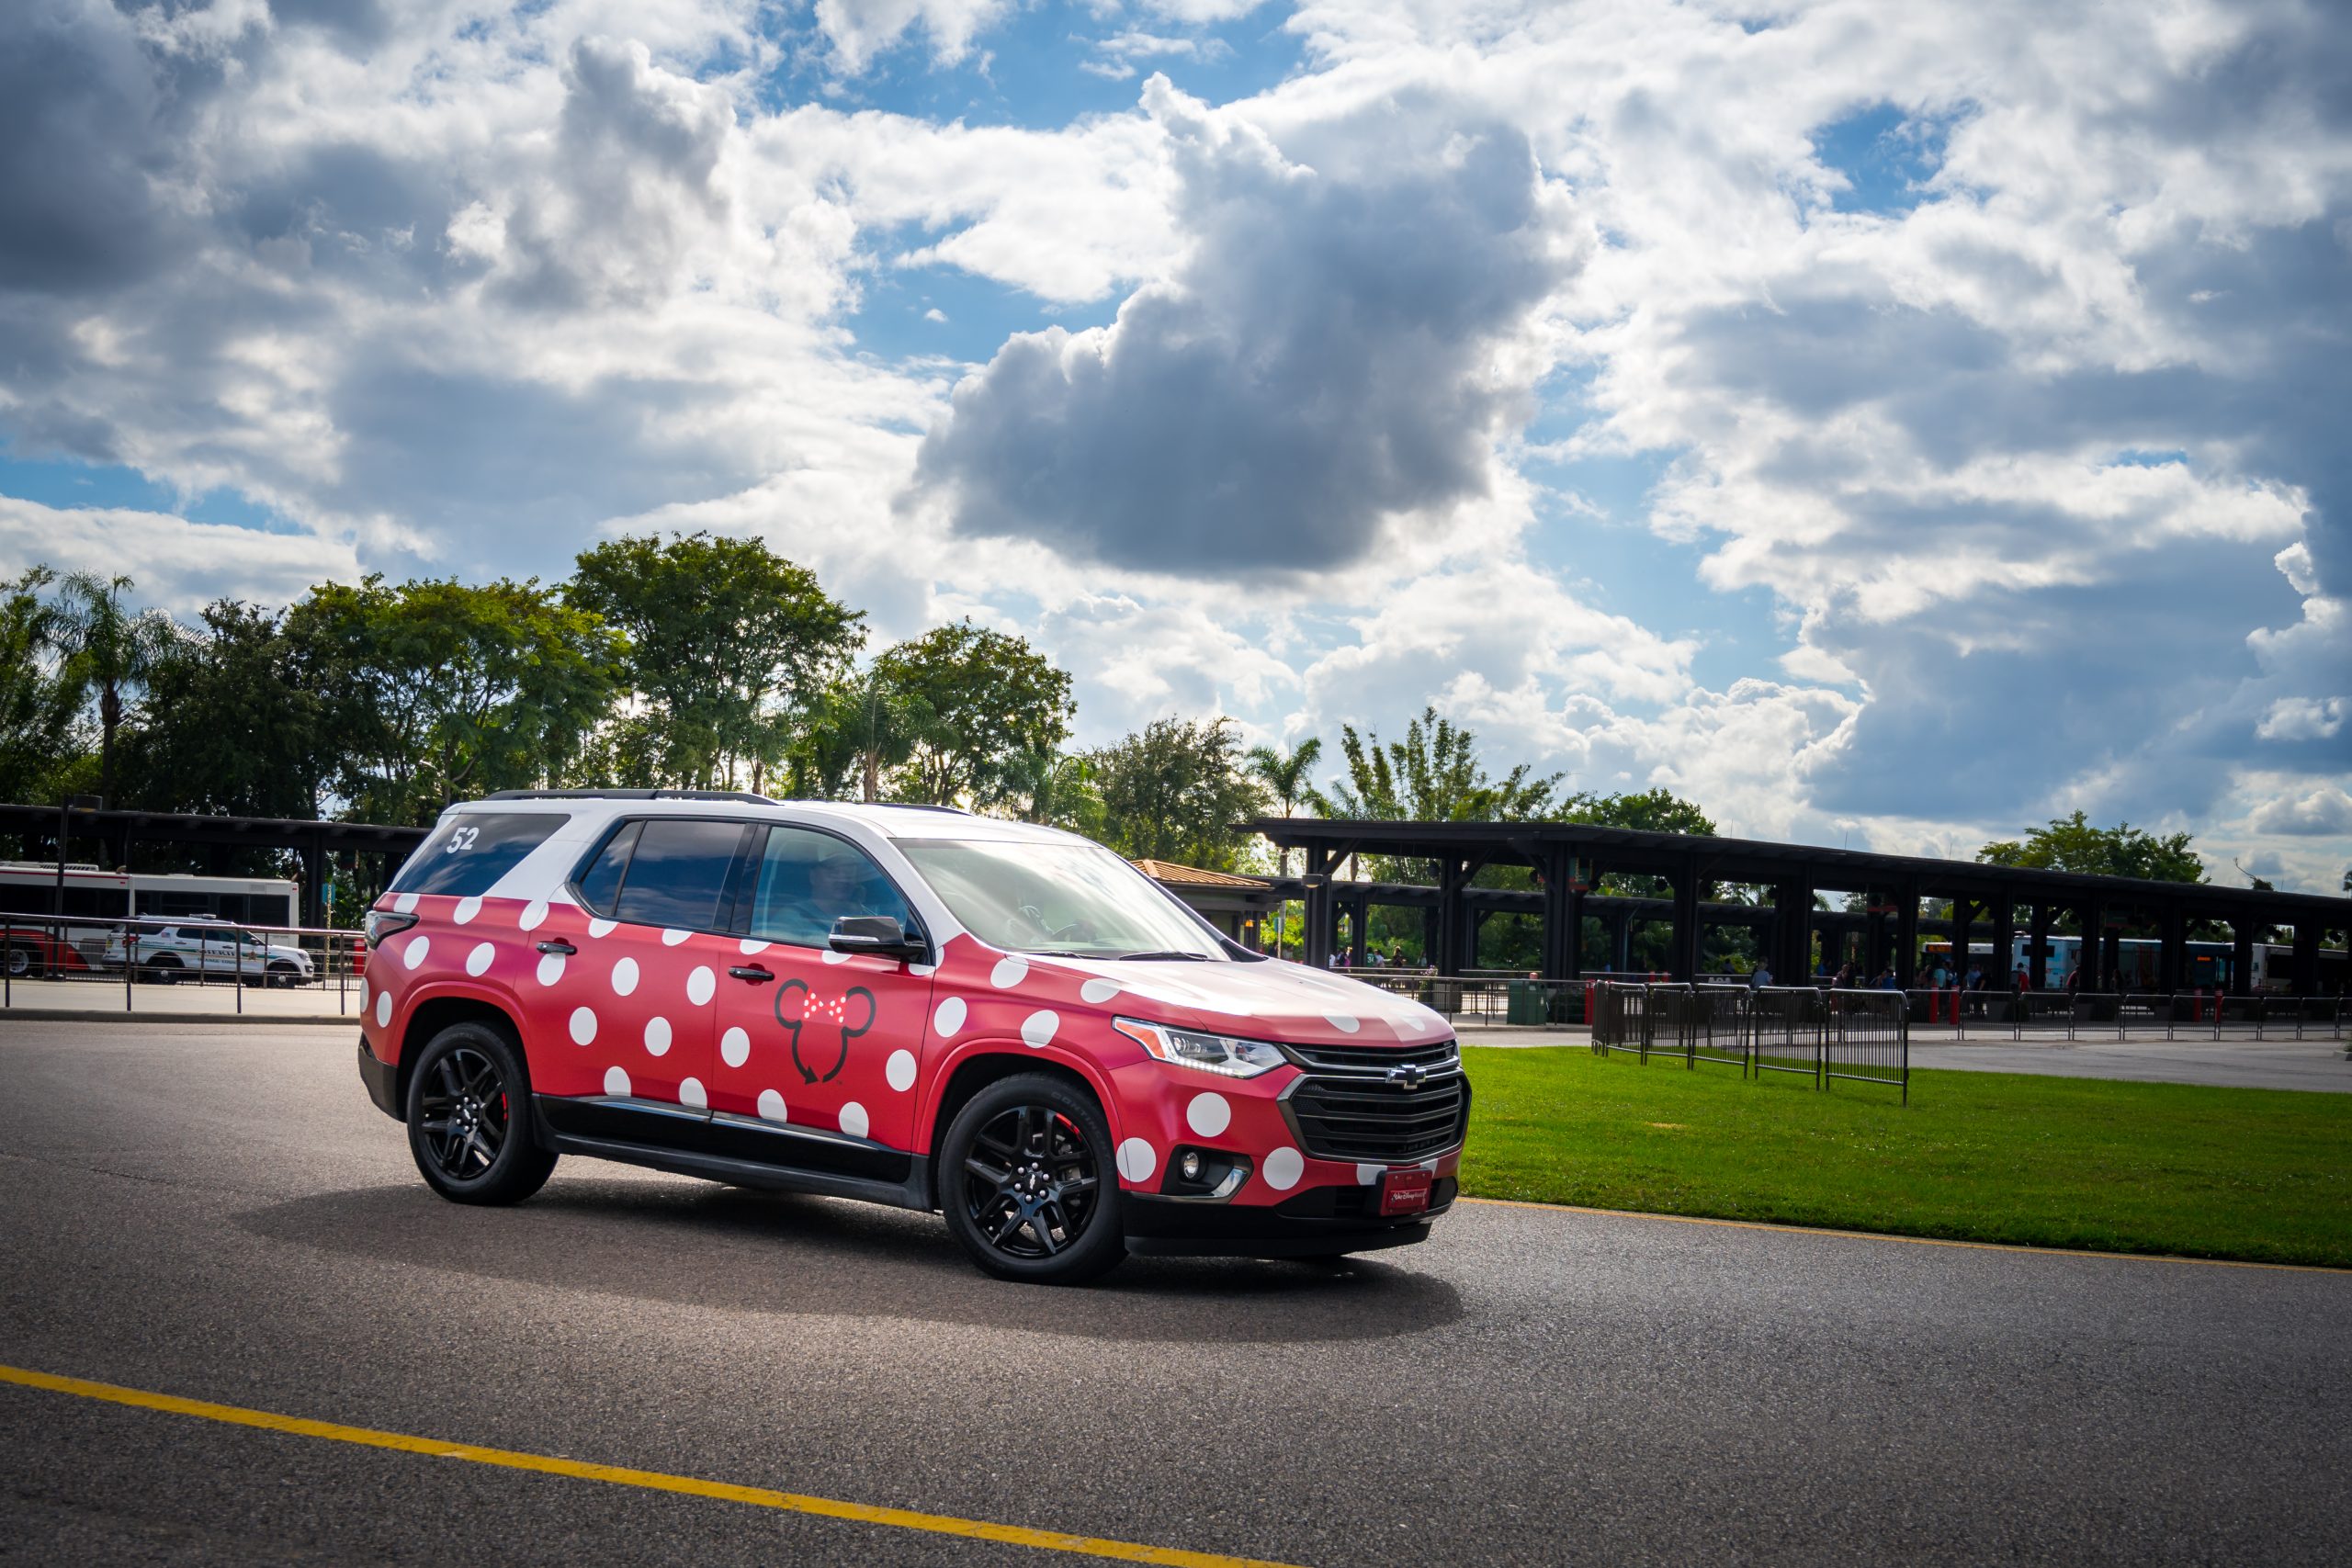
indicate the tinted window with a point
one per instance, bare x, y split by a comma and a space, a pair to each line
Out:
469, 851
600, 884
809, 880
677, 872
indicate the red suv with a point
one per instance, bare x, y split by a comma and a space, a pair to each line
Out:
1003, 1022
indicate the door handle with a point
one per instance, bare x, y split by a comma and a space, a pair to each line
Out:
557, 945
753, 973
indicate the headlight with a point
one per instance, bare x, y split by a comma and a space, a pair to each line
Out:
1211, 1053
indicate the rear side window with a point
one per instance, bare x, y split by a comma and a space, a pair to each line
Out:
471, 850
676, 872
600, 883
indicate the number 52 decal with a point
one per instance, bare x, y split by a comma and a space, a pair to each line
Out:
463, 839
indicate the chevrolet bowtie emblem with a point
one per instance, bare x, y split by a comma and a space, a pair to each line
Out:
1410, 1075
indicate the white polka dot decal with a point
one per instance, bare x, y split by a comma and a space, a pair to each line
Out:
830, 956
363, 994
615, 1081
1010, 970
535, 915
415, 951
1368, 1175
1283, 1168
853, 1119
466, 910
923, 971
1342, 1023
624, 976
584, 1025
900, 1070
674, 937
602, 928
735, 1047
701, 986
771, 1106
949, 1018
1038, 1028
1209, 1115
657, 1035
551, 968
752, 944
1098, 990
383, 1010
692, 1093
1136, 1161
404, 905
478, 960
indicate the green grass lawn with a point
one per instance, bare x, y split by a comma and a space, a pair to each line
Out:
2245, 1173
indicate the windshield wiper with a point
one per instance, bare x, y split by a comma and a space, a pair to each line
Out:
1188, 957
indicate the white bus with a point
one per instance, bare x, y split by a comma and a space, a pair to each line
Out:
29, 889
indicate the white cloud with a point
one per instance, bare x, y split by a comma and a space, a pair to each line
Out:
180, 566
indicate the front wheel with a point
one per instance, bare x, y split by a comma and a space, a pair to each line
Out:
1026, 1185
470, 1119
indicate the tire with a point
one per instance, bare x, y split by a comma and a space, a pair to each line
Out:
20, 961
469, 1123
163, 971
1007, 1169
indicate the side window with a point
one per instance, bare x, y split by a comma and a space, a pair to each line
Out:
809, 880
472, 850
677, 872
600, 884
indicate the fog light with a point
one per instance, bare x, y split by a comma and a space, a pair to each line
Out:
1191, 1165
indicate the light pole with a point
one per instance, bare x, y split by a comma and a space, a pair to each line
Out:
70, 802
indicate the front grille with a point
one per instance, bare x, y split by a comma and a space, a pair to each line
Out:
1346, 1108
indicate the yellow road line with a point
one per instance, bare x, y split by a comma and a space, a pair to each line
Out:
649, 1480
1913, 1240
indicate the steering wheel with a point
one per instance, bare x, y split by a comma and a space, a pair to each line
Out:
1029, 921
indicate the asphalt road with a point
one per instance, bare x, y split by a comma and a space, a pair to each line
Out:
219, 1215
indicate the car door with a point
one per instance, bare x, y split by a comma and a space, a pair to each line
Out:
817, 1049
625, 990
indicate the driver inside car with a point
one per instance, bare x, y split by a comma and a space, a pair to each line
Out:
838, 885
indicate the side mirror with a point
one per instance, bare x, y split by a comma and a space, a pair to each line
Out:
877, 936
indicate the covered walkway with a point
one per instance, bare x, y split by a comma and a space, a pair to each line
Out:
1569, 861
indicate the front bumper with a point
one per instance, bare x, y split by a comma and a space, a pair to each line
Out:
1321, 1221
383, 1081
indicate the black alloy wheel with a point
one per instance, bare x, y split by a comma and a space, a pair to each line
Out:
1026, 1184
470, 1119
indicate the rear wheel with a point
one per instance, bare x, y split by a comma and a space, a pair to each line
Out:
1025, 1183
163, 971
470, 1119
20, 961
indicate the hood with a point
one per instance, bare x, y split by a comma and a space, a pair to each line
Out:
1278, 1000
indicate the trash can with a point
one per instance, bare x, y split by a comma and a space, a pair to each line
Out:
1526, 1004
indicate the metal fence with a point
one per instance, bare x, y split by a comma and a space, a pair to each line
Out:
2118, 1015
1858, 1037
37, 954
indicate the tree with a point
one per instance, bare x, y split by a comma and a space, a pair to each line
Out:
729, 645
1173, 790
1056, 789
1288, 778
440, 691
2071, 843
39, 696
112, 651
877, 725
1650, 811
1432, 775
232, 726
991, 699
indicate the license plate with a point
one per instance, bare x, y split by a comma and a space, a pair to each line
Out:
1405, 1191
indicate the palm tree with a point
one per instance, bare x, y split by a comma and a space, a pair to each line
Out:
879, 723
1285, 777
114, 649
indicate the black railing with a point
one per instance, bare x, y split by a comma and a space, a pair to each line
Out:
45, 958
1858, 1037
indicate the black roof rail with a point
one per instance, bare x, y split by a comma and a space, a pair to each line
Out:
743, 797
921, 806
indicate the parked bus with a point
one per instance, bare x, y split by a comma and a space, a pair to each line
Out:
29, 889
2140, 964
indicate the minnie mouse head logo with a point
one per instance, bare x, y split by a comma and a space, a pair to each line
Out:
828, 1014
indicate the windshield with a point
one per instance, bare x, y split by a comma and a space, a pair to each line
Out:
1074, 898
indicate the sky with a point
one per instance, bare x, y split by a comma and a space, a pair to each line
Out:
1889, 427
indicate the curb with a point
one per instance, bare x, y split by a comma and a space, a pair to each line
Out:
67, 1015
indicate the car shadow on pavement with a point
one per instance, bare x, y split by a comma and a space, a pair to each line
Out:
692, 1244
